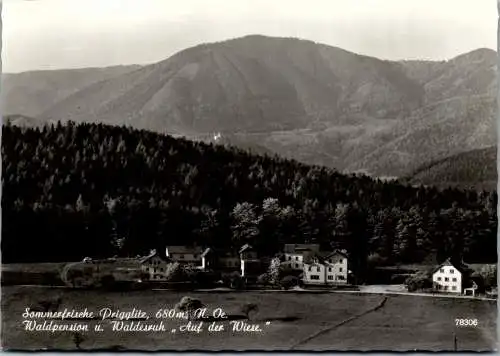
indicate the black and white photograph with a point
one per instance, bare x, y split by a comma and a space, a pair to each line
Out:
249, 175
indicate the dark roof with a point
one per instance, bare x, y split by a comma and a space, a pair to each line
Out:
313, 258
462, 268
293, 248
184, 249
151, 255
335, 252
321, 257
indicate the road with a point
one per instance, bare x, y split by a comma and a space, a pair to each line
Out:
369, 289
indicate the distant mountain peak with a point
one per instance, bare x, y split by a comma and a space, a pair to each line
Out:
477, 54
311, 102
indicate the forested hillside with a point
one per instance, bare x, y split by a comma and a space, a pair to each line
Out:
94, 190
303, 100
473, 169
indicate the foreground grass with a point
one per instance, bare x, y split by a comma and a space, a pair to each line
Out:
404, 323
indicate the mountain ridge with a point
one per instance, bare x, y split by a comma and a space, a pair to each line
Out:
313, 102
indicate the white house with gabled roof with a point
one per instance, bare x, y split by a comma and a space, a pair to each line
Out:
326, 268
448, 278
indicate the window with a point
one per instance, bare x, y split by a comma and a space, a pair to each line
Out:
441, 270
330, 277
340, 278
315, 277
446, 279
289, 258
317, 269
452, 270
439, 278
329, 269
445, 287
454, 288
454, 279
341, 260
296, 265
310, 268
340, 269
296, 258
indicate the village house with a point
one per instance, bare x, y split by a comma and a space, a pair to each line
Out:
155, 266
207, 259
185, 254
249, 262
337, 267
228, 262
448, 278
327, 268
294, 255
219, 260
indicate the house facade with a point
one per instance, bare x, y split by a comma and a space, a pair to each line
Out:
207, 259
294, 255
328, 268
155, 266
315, 267
337, 267
219, 260
250, 265
448, 278
185, 254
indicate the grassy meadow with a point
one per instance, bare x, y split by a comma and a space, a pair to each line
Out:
403, 323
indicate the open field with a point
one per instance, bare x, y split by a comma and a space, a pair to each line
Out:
299, 321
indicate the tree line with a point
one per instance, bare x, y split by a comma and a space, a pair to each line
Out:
77, 190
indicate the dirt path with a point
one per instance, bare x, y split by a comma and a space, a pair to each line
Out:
332, 327
391, 290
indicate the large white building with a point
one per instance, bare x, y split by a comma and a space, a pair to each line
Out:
330, 268
448, 278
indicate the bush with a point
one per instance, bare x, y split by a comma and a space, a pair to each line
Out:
263, 279
174, 273
274, 271
289, 282
419, 281
189, 305
488, 274
237, 282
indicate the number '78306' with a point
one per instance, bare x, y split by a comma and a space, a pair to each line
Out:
466, 322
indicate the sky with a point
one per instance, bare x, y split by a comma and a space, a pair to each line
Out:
54, 34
